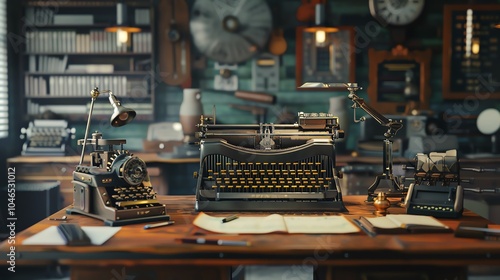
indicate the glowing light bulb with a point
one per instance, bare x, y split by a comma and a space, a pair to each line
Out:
320, 37
121, 36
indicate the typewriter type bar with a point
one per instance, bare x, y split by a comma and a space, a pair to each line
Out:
269, 167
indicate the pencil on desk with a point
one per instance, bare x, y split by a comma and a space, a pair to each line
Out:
149, 226
230, 218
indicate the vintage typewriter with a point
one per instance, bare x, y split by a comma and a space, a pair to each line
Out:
269, 167
46, 137
115, 187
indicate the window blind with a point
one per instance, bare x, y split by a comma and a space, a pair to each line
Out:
4, 93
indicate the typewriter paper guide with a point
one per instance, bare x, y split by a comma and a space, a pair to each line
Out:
276, 223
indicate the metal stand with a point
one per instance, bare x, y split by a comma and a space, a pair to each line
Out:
387, 177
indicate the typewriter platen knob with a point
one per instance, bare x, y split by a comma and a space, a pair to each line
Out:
340, 134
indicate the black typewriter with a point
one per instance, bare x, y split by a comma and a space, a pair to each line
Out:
269, 167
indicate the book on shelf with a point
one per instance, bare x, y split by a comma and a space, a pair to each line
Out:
277, 223
90, 68
82, 19
402, 223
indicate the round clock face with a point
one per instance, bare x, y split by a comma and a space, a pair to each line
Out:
230, 31
396, 12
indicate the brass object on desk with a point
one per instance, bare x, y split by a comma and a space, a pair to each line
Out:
381, 203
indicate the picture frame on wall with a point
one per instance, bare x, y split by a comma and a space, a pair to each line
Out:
471, 51
399, 79
331, 60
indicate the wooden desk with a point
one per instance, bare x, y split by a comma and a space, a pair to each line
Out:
155, 254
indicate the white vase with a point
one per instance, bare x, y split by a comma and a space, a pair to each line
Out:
338, 105
189, 113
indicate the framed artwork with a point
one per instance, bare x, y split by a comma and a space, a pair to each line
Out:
471, 51
330, 61
399, 80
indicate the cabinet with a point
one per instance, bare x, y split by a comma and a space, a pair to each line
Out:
67, 52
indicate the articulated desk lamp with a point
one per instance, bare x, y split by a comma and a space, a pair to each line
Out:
387, 176
115, 187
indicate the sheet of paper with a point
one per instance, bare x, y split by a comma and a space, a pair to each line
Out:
319, 224
276, 223
262, 224
382, 222
404, 220
50, 236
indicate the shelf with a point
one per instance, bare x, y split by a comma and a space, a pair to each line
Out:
79, 26
147, 97
116, 73
61, 62
98, 117
90, 54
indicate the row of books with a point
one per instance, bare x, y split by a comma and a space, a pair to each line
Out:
46, 16
80, 86
104, 108
45, 63
96, 41
59, 64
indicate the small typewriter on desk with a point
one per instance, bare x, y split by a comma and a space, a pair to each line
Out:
115, 187
46, 137
269, 167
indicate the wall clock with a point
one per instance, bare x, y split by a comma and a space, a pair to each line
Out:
396, 12
331, 61
396, 15
230, 31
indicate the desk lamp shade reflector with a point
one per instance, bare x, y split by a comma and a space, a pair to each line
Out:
121, 115
488, 121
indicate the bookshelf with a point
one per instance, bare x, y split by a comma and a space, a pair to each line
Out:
67, 52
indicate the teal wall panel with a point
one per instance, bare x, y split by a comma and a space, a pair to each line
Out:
426, 33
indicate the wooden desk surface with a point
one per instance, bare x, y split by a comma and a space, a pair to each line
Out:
134, 245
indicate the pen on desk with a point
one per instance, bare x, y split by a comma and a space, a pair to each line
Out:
159, 224
485, 230
360, 224
230, 218
219, 242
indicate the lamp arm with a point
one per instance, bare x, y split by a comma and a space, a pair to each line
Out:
394, 126
94, 94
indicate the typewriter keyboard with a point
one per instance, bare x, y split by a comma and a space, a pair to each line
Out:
132, 196
223, 174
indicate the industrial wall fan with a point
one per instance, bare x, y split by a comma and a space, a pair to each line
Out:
230, 31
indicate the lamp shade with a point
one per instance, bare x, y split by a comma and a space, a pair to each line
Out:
121, 115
